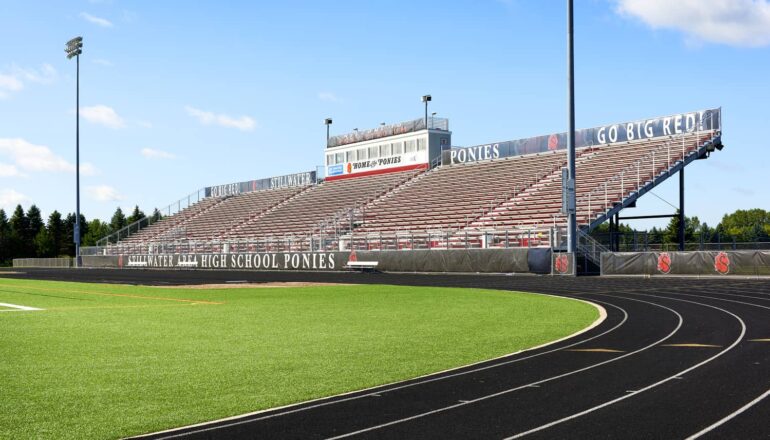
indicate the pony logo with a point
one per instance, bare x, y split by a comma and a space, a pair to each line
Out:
350, 167
664, 262
722, 263
561, 263
553, 142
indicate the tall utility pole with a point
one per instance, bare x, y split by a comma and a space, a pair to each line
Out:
426, 99
74, 49
570, 187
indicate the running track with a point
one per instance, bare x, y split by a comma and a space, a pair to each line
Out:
675, 358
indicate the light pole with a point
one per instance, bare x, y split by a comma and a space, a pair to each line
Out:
426, 99
74, 49
432, 116
571, 202
327, 123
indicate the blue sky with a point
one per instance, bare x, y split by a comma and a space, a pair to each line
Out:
176, 96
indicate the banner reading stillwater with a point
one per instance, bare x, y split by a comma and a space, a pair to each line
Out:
287, 181
262, 261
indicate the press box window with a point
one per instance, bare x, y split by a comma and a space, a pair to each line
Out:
374, 152
421, 144
361, 154
397, 148
330, 159
410, 146
350, 156
385, 150
340, 157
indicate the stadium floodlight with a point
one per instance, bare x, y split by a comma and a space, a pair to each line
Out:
74, 49
426, 99
327, 123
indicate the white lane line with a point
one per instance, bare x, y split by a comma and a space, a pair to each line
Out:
648, 387
745, 407
510, 390
17, 308
239, 419
729, 417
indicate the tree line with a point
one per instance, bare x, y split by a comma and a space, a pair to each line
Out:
742, 226
26, 235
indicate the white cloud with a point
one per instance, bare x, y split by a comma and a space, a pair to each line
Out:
37, 158
104, 193
9, 198
103, 115
103, 62
13, 79
45, 75
150, 153
731, 22
103, 22
243, 123
10, 171
328, 97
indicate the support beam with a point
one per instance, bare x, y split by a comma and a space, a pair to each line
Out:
641, 217
681, 209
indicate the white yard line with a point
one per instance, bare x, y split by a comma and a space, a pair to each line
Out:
17, 308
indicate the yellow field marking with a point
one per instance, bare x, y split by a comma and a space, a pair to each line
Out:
760, 340
124, 295
692, 345
596, 350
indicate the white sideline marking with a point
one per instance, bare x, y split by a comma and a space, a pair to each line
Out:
18, 308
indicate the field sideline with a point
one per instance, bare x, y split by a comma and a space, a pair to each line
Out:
106, 361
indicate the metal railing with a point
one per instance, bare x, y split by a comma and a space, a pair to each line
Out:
43, 262
434, 123
323, 241
168, 211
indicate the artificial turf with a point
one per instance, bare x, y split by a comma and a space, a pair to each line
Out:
107, 361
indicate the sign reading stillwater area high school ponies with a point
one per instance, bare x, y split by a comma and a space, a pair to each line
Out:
663, 126
287, 181
246, 261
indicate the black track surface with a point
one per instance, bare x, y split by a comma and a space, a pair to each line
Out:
642, 385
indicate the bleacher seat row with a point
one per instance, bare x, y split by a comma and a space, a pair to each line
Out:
516, 193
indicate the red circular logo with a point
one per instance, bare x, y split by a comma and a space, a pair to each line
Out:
722, 263
350, 168
553, 142
561, 263
664, 262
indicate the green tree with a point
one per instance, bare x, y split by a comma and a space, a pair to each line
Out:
19, 227
747, 225
156, 215
135, 216
44, 246
671, 233
34, 223
97, 230
118, 220
56, 230
5, 239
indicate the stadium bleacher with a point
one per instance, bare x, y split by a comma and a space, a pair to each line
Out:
451, 204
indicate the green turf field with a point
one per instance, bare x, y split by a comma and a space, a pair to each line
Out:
106, 361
